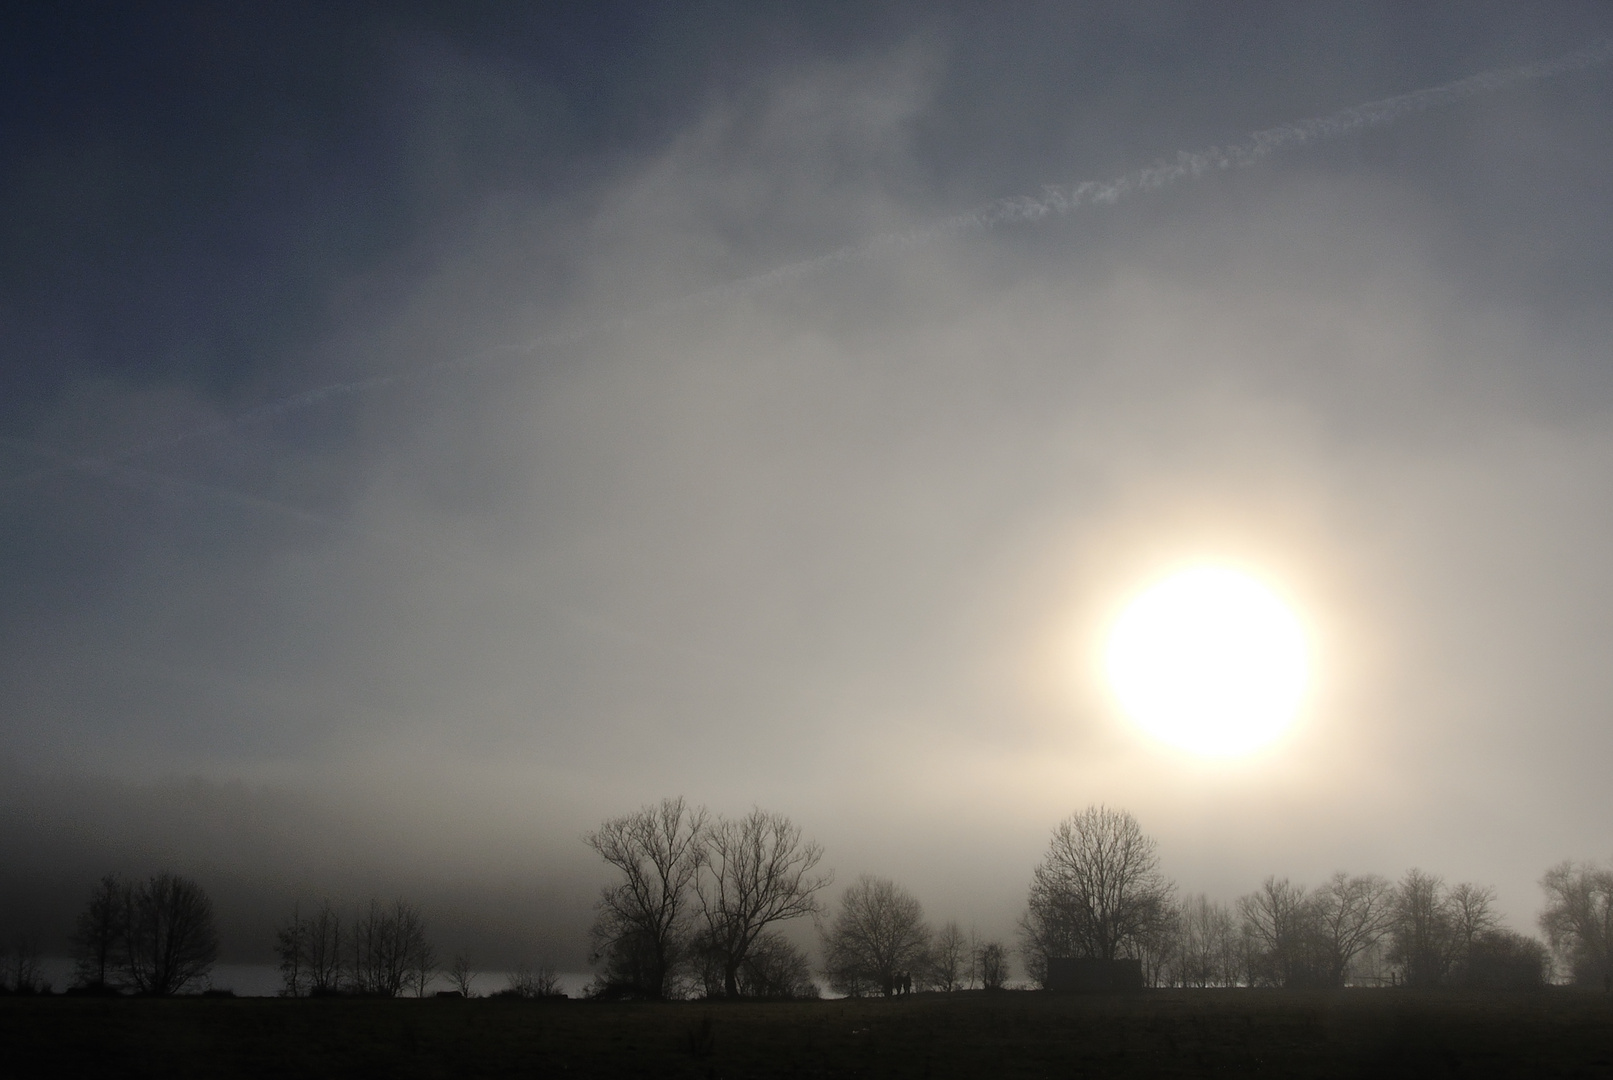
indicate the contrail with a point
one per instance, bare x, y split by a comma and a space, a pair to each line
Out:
128, 476
1053, 201
1057, 201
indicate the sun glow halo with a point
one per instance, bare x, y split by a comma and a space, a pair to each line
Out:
1209, 660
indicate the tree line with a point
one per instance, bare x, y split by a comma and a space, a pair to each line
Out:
698, 902
381, 951
1099, 894
669, 925
157, 937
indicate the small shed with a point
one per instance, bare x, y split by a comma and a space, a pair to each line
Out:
1089, 975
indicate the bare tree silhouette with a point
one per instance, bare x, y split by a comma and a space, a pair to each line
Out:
1435, 926
759, 873
20, 972
948, 954
1279, 933
993, 965
290, 945
528, 982
878, 932
1098, 892
1351, 915
389, 948
98, 935
1578, 919
1206, 944
462, 976
642, 930
322, 944
171, 941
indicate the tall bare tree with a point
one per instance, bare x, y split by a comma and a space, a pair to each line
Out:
98, 936
1098, 893
324, 963
643, 927
1424, 929
422, 961
290, 945
171, 941
992, 963
462, 976
1156, 947
1352, 914
1472, 915
1279, 931
949, 957
1206, 943
1578, 919
759, 872
878, 933
390, 949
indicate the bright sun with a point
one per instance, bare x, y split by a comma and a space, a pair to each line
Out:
1209, 660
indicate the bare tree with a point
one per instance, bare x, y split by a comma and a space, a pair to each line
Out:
1473, 915
1280, 937
323, 963
171, 941
291, 946
19, 968
390, 950
993, 965
1099, 892
461, 976
1578, 919
1157, 945
528, 982
98, 936
1424, 929
372, 950
1206, 944
1352, 914
421, 958
759, 873
642, 929
878, 933
947, 957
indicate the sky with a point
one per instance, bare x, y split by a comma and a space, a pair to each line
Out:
427, 430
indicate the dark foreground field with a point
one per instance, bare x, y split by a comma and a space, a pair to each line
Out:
1012, 1034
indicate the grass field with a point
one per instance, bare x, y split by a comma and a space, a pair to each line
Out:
1010, 1034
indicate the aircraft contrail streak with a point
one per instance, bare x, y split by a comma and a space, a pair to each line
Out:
1056, 201
1053, 201
130, 476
